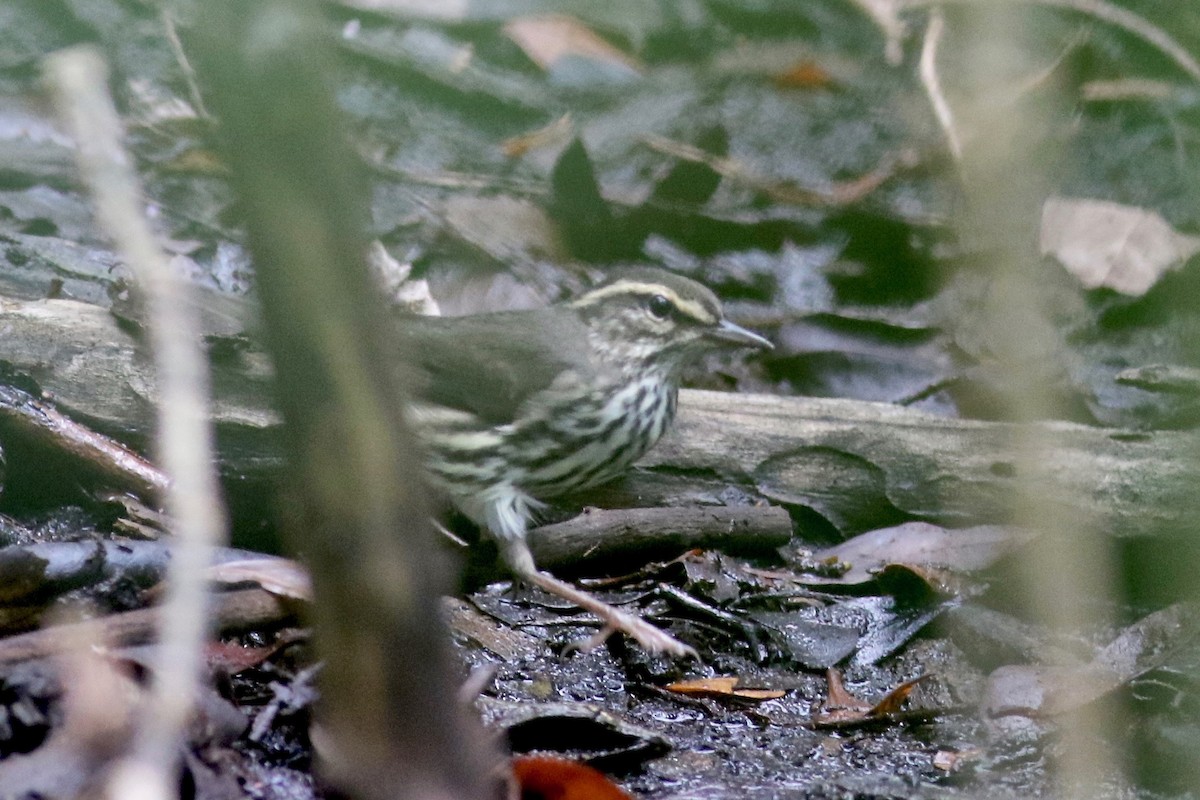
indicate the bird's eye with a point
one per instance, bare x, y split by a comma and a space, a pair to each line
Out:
659, 306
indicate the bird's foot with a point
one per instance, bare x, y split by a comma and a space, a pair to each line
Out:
654, 640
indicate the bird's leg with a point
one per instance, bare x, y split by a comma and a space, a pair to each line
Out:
655, 640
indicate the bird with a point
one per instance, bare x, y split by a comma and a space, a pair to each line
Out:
515, 408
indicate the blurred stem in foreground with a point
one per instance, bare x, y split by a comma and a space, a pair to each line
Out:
1008, 162
394, 729
79, 78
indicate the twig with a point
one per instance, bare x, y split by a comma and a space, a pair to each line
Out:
231, 612
41, 421
884, 13
838, 195
79, 77
1106, 12
189, 74
933, 84
600, 534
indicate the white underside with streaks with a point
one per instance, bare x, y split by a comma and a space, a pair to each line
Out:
498, 474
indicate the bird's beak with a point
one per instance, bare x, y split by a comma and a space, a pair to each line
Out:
728, 332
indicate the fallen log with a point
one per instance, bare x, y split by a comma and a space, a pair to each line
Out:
862, 465
857, 465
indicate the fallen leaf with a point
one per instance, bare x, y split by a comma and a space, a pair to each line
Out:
279, 576
234, 657
923, 549
1044, 690
556, 133
837, 696
550, 778
842, 708
548, 40
894, 700
721, 688
1112, 246
804, 74
510, 229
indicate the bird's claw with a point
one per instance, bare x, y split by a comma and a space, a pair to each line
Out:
653, 640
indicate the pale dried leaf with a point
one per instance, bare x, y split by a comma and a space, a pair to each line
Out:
395, 279
1114, 246
919, 546
279, 576
444, 10
549, 39
556, 134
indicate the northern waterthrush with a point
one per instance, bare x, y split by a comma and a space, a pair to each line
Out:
515, 408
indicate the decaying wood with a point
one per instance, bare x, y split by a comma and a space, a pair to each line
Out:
90, 365
232, 612
859, 465
606, 535
41, 422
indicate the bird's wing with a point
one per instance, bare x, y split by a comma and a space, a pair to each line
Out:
488, 365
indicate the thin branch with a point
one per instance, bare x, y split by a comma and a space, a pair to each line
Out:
933, 84
603, 534
232, 612
885, 14
1106, 12
78, 77
189, 74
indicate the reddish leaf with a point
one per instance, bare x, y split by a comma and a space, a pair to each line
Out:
806, 74
894, 699
552, 778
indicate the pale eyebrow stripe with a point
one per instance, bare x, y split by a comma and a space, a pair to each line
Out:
689, 307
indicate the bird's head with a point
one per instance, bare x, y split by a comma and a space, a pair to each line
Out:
651, 317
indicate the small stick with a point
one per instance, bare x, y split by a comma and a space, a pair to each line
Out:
41, 421
598, 533
1106, 12
79, 77
232, 612
933, 85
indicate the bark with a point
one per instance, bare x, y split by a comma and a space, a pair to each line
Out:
857, 465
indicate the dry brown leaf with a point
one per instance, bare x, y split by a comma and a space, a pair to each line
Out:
722, 687
234, 657
703, 686
1113, 246
805, 74
556, 777
842, 708
549, 39
552, 135
758, 694
893, 701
